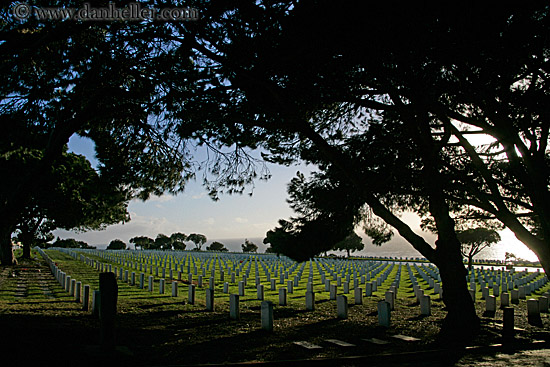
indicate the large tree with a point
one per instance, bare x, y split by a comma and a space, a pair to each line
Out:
301, 83
71, 196
284, 78
95, 79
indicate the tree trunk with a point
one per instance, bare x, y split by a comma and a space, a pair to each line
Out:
26, 239
461, 322
542, 250
26, 250
6, 249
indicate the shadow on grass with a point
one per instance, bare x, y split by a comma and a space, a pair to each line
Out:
157, 305
417, 318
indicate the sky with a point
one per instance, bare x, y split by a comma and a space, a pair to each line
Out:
233, 218
193, 211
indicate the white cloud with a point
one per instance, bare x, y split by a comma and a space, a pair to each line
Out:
198, 196
208, 221
161, 199
241, 220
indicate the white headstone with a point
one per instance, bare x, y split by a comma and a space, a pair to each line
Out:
267, 315
191, 294
390, 298
358, 296
260, 291
384, 313
310, 301
515, 296
282, 296
342, 307
86, 298
210, 299
425, 305
543, 304
491, 304
234, 313
533, 311
504, 299
333, 290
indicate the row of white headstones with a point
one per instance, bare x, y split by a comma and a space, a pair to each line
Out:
370, 273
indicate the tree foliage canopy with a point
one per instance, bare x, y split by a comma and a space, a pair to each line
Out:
249, 246
350, 244
116, 245
198, 239
474, 240
216, 246
422, 79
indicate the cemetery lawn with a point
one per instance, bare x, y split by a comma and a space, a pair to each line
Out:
40, 322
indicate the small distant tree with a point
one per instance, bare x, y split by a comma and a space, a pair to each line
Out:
216, 246
142, 242
163, 242
178, 239
198, 239
351, 243
476, 239
248, 246
116, 245
70, 243
510, 257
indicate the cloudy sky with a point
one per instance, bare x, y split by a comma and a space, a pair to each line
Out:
234, 217
193, 211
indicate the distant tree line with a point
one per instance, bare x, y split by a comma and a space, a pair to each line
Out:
276, 240
176, 241
67, 243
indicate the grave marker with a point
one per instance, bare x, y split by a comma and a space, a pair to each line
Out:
340, 343
191, 294
267, 315
504, 300
342, 307
308, 345
384, 313
310, 301
234, 313
209, 299
174, 288
491, 304
86, 298
282, 296
358, 296
108, 290
533, 312
425, 305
